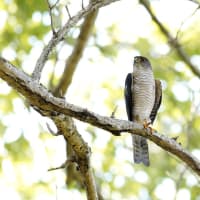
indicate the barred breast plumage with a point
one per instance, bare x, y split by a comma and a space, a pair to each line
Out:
141, 104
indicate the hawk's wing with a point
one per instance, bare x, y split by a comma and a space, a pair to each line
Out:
158, 99
128, 96
129, 101
140, 146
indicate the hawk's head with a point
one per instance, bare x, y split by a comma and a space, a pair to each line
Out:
141, 63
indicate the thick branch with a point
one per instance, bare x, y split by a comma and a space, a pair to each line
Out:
59, 36
172, 41
66, 126
39, 96
61, 89
82, 151
77, 52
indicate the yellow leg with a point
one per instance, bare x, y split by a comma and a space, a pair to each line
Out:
147, 124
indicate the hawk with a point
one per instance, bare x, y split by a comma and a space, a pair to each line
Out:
143, 95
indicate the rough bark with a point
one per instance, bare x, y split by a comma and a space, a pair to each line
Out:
60, 35
40, 97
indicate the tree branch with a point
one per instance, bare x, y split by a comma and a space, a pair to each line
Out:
63, 123
67, 128
39, 96
51, 7
172, 40
61, 89
81, 149
76, 54
59, 36
196, 2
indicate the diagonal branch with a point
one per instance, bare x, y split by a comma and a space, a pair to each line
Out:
66, 126
196, 2
40, 97
59, 36
77, 52
69, 125
172, 40
51, 7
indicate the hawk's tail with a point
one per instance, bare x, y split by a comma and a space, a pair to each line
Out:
140, 150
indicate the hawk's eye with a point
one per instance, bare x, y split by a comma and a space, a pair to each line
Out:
142, 59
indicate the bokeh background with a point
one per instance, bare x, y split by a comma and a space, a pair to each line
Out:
122, 30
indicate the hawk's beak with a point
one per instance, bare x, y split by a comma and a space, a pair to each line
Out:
137, 59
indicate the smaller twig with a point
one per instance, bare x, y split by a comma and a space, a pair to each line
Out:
36, 75
54, 5
59, 167
65, 164
180, 178
53, 132
175, 138
67, 9
172, 41
184, 21
51, 7
82, 4
113, 112
194, 1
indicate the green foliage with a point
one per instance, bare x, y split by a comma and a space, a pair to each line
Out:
19, 149
20, 26
98, 85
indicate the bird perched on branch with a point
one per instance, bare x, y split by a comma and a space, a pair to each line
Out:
143, 96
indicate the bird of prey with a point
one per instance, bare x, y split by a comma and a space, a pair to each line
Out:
143, 96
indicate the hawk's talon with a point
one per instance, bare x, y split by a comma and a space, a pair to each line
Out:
151, 130
147, 125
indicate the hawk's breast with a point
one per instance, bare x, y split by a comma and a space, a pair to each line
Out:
143, 88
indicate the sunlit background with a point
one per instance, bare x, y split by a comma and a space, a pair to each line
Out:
122, 30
